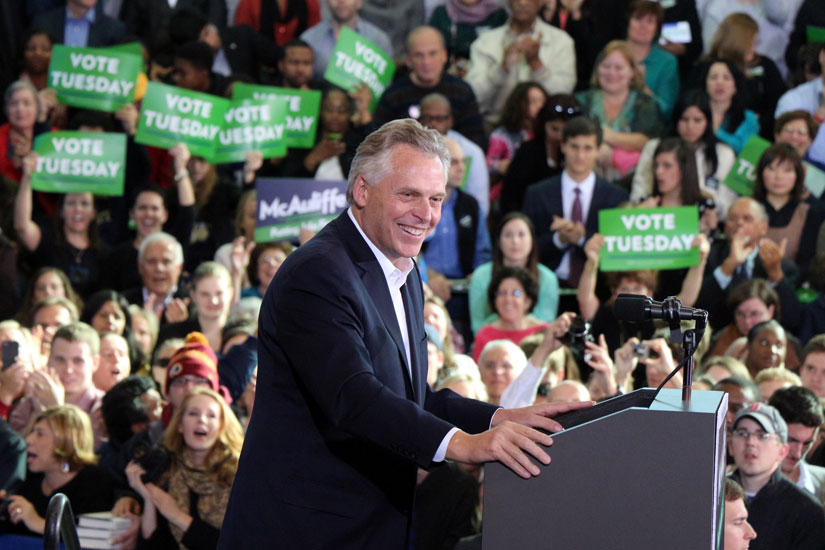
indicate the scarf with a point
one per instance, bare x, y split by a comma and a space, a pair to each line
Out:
212, 495
470, 15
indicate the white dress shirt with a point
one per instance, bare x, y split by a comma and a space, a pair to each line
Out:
568, 196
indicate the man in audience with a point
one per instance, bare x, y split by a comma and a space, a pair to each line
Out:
436, 113
81, 24
564, 209
48, 315
738, 532
812, 371
808, 97
783, 515
525, 48
801, 411
567, 391
193, 69
323, 36
742, 393
426, 58
746, 254
459, 243
160, 262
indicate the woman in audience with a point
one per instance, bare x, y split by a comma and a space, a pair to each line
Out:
47, 282
145, 331
212, 296
37, 53
692, 121
512, 294
725, 86
540, 157
17, 135
337, 139
70, 243
735, 40
518, 116
185, 507
780, 183
629, 117
751, 302
766, 347
460, 22
108, 311
514, 245
279, 21
798, 129
659, 68
677, 184
60, 460
263, 264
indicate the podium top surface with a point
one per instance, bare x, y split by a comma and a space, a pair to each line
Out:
702, 402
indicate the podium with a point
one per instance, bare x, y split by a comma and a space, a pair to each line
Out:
637, 472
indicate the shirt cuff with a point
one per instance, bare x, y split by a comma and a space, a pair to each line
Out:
722, 279
441, 452
557, 241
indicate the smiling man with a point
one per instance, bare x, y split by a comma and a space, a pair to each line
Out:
784, 516
343, 415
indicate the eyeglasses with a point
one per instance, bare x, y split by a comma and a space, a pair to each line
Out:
791, 130
185, 380
744, 434
505, 293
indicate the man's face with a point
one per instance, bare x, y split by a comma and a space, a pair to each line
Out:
187, 76
767, 350
426, 57
580, 154
403, 207
344, 10
497, 372
296, 66
737, 399
812, 373
51, 318
436, 116
800, 440
738, 532
74, 364
114, 362
755, 456
743, 215
159, 268
524, 11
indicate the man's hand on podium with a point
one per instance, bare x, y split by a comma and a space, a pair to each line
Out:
512, 437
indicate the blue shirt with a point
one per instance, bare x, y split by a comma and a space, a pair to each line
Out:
442, 249
322, 39
76, 32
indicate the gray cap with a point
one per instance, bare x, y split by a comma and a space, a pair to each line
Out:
767, 417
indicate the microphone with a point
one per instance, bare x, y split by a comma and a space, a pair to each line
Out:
636, 308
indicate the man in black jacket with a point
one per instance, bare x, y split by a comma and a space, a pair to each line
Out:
80, 24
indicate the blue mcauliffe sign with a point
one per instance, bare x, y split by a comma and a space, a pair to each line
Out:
286, 205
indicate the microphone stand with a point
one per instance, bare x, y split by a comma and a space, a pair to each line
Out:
690, 341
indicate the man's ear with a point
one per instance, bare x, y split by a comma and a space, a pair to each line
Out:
360, 191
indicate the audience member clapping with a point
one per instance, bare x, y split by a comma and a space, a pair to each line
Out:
14, 376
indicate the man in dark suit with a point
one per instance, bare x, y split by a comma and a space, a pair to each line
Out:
746, 254
564, 209
343, 414
81, 24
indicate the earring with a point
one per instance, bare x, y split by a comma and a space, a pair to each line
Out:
65, 467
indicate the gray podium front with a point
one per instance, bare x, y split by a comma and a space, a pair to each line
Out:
633, 473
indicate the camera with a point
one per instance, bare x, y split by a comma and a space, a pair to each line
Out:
706, 204
154, 459
577, 335
641, 351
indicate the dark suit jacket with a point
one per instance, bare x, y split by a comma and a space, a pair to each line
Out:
104, 32
246, 51
149, 18
542, 201
713, 298
339, 425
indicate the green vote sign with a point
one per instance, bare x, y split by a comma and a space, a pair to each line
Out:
648, 238
252, 125
93, 78
742, 176
302, 107
170, 115
80, 162
355, 60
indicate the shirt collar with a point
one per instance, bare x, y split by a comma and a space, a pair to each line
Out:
395, 277
586, 185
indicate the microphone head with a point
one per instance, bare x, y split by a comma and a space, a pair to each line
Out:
632, 308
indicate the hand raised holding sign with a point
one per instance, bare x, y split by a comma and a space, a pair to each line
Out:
593, 248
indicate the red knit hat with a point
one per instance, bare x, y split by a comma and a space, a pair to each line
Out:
195, 358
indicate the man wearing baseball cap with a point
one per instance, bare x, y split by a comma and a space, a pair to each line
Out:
783, 515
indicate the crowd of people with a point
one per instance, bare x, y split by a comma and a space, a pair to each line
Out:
129, 323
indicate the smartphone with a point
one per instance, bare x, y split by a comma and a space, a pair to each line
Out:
10, 352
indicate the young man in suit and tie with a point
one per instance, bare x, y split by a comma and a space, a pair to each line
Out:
564, 209
343, 413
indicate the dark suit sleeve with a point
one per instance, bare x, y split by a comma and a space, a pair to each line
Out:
330, 338
538, 207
